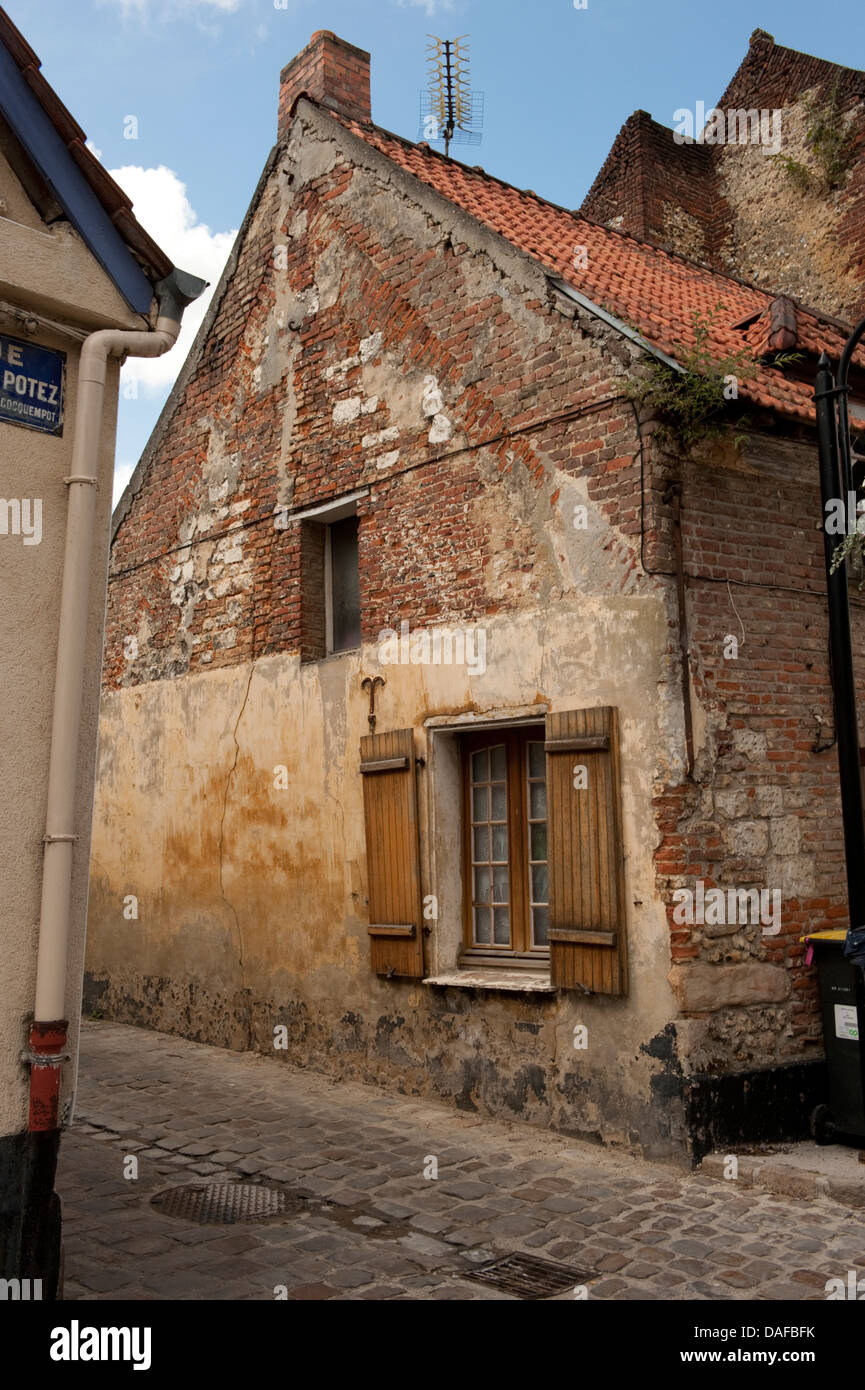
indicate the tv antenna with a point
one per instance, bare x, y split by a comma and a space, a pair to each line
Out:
450, 112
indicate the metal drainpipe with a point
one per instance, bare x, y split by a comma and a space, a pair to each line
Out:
48, 1032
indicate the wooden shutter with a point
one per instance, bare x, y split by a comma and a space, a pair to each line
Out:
390, 815
588, 945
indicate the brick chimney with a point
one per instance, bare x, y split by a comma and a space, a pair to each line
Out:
331, 72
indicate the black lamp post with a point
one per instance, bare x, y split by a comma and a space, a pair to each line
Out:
836, 482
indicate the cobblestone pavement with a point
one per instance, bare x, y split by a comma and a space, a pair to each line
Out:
368, 1223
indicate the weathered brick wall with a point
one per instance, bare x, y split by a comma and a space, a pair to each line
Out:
652, 187
808, 242
740, 209
763, 810
414, 355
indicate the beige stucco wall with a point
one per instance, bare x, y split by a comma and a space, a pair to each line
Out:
251, 900
50, 271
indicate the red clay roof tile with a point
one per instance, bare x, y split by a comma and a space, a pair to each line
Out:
655, 291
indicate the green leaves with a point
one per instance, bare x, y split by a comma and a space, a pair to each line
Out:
852, 545
692, 404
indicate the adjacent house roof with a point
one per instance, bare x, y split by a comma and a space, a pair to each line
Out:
54, 145
658, 292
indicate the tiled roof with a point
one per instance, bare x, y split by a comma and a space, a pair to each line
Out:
653, 290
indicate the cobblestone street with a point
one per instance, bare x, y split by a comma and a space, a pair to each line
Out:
366, 1223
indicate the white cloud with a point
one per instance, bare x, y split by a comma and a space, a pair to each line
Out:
162, 207
122, 473
430, 7
93, 150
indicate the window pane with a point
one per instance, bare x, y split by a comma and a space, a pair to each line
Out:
540, 883
500, 886
497, 916
345, 589
482, 926
539, 840
483, 884
540, 924
498, 763
538, 800
537, 760
502, 926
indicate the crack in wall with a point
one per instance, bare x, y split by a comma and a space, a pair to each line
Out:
225, 898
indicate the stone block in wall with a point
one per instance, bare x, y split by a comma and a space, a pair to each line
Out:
747, 837
792, 873
785, 833
769, 800
731, 802
705, 988
751, 743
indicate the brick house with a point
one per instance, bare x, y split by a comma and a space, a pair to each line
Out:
404, 447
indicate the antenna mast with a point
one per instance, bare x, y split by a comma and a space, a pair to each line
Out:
450, 111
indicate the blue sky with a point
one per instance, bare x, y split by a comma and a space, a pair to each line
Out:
201, 77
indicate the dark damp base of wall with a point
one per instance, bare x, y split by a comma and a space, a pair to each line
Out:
424, 1051
30, 1223
484, 1054
739, 1109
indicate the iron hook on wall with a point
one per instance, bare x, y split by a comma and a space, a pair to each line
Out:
369, 683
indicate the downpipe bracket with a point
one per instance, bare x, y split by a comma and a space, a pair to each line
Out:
46, 1059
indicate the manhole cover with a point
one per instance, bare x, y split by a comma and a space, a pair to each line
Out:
527, 1276
225, 1203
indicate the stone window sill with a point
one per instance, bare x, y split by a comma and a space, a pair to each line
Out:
510, 981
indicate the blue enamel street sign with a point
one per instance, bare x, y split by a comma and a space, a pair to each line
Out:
31, 385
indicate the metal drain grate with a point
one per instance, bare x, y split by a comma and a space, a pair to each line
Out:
225, 1203
527, 1276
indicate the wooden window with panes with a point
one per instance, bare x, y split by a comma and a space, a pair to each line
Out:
543, 858
506, 891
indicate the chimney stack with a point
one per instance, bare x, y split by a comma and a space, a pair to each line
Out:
329, 71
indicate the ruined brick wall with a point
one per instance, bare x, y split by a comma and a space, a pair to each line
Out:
809, 242
762, 212
654, 188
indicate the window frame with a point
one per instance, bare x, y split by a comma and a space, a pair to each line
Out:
323, 515
521, 953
